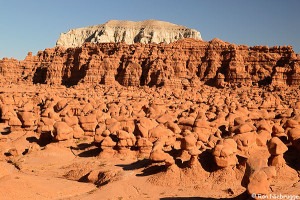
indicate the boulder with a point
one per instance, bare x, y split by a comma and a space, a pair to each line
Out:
62, 131
276, 146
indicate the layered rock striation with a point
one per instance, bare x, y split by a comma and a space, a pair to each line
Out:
181, 64
129, 32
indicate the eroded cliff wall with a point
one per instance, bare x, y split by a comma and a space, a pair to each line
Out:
184, 63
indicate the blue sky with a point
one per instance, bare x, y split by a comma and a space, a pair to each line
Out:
34, 25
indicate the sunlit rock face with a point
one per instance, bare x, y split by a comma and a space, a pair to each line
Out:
148, 31
183, 64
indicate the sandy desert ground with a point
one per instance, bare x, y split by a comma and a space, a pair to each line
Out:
148, 143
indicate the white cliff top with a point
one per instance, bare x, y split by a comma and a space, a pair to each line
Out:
148, 31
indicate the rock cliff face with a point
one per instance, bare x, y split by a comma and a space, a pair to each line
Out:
181, 64
148, 31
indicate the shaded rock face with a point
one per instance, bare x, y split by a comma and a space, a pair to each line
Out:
182, 64
148, 31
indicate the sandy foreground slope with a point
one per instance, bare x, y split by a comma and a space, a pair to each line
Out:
72, 167
59, 172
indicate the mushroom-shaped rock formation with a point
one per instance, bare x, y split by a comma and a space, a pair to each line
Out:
126, 140
107, 146
263, 133
278, 131
159, 155
28, 120
225, 153
14, 123
245, 135
260, 180
276, 148
144, 148
88, 124
62, 131
294, 137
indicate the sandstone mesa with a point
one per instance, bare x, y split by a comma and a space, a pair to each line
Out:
156, 116
148, 31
